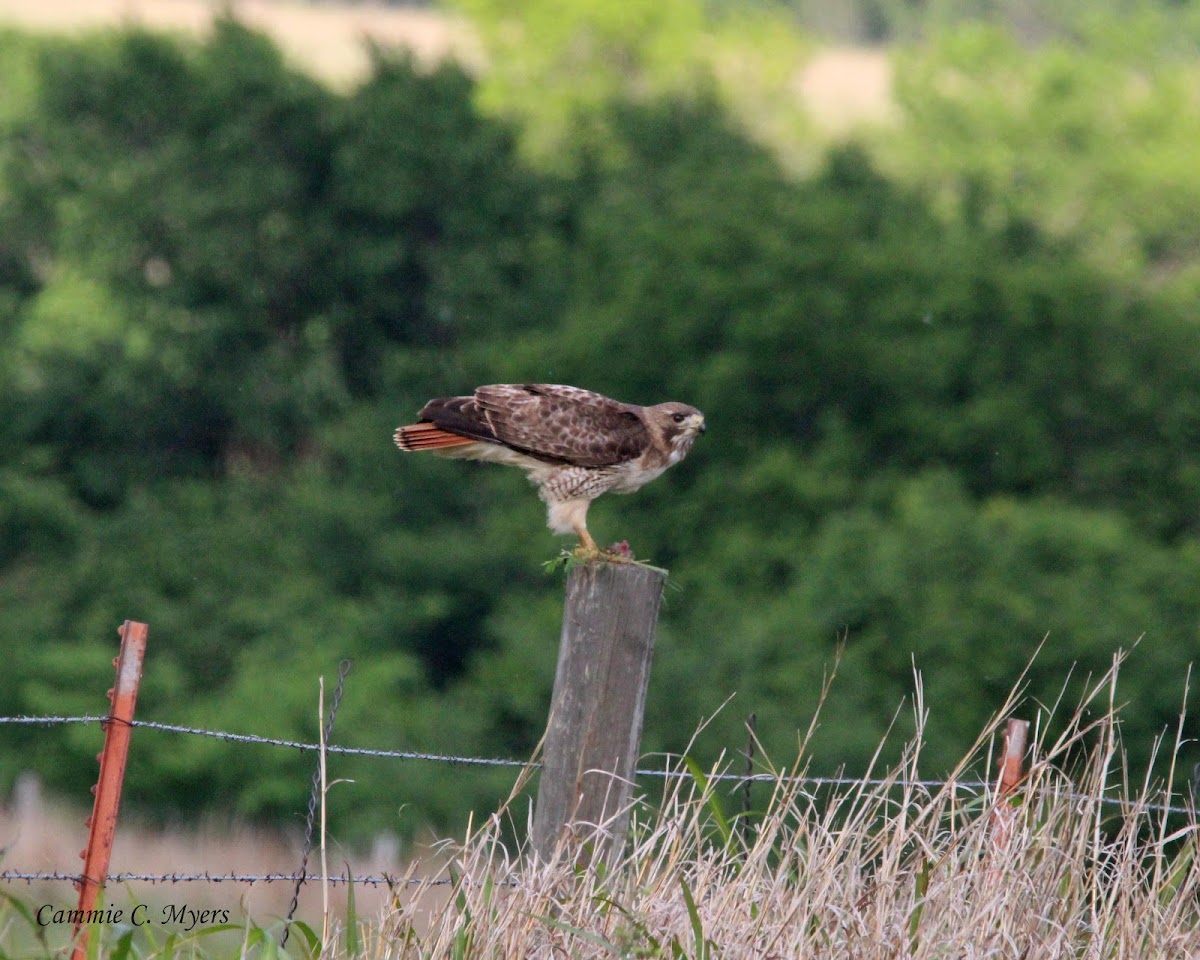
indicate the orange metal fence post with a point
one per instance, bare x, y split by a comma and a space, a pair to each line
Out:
1016, 733
102, 824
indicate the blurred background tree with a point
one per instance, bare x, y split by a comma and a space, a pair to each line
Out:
951, 370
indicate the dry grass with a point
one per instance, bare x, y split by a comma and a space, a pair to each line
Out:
1080, 866
1081, 863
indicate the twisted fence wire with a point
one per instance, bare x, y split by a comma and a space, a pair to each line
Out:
250, 738
385, 879
813, 781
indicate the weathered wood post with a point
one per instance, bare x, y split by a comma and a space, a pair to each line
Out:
595, 729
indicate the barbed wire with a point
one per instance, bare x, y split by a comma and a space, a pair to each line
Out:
275, 742
52, 721
383, 879
666, 773
251, 738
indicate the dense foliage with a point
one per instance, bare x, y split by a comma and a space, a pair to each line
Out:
936, 436
875, 21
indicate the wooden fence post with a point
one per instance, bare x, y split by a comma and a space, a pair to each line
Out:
594, 733
102, 824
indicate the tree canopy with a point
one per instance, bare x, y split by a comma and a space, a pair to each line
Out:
948, 423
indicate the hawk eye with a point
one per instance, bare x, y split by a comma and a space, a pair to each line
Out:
678, 417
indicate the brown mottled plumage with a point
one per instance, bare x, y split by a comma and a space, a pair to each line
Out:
574, 444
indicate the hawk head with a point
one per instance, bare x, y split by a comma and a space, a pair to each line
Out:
678, 424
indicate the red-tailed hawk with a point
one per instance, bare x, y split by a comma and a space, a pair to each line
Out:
573, 444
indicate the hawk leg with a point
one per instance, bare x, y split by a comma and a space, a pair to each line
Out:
588, 549
570, 516
587, 546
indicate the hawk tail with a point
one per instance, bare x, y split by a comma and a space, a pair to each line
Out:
426, 436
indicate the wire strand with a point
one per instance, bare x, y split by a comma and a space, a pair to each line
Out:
374, 880
812, 781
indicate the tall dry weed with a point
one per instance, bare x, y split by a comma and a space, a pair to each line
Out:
1080, 863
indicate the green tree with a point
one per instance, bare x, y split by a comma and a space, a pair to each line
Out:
938, 431
560, 67
169, 245
442, 230
1093, 141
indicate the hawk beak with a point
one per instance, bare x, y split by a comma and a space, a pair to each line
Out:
699, 421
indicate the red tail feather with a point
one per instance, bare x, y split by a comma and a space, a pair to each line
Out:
425, 436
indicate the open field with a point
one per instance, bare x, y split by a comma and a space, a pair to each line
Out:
839, 86
327, 39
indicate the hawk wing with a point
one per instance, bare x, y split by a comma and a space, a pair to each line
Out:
558, 424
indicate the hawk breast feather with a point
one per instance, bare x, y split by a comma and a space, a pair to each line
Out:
554, 424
